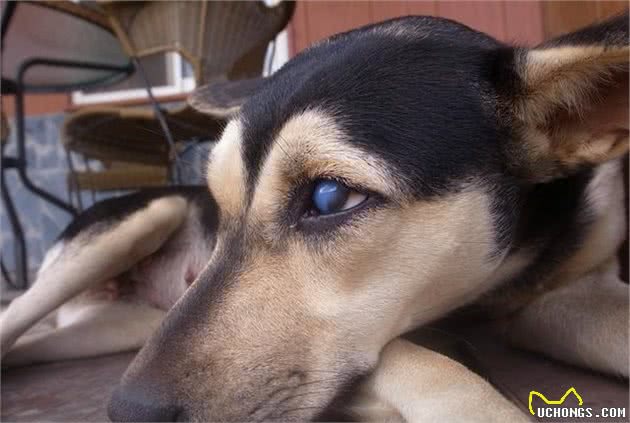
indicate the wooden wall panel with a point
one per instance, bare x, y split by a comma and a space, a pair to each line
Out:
298, 28
606, 9
511, 20
390, 9
421, 8
37, 104
523, 23
563, 16
485, 16
382, 10
320, 19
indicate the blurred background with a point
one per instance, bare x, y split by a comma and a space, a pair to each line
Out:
79, 135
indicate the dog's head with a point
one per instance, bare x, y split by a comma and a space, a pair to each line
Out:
370, 185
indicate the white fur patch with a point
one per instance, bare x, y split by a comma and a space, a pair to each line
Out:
52, 255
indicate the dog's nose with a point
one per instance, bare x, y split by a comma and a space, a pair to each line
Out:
134, 405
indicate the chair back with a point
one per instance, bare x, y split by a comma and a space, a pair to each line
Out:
221, 39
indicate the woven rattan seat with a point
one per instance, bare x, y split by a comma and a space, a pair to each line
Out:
123, 176
220, 39
133, 134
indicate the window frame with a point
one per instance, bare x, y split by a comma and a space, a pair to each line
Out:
181, 85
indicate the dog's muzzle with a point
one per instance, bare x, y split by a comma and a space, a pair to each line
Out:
131, 404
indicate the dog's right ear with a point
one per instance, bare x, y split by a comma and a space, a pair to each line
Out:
567, 101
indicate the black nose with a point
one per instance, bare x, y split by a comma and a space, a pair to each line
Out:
134, 405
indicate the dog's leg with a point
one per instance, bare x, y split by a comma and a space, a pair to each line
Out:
415, 384
583, 323
102, 328
88, 260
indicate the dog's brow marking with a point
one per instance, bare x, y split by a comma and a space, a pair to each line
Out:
311, 145
226, 178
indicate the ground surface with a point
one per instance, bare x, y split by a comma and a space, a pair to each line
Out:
79, 390
74, 391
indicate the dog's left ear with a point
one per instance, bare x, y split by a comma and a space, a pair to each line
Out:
567, 101
223, 99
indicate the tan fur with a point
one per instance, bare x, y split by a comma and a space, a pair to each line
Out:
225, 175
602, 239
95, 328
573, 109
414, 384
97, 260
605, 194
581, 313
585, 323
315, 301
566, 77
343, 300
309, 146
280, 321
338, 279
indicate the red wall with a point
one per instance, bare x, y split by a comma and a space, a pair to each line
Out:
522, 22
514, 21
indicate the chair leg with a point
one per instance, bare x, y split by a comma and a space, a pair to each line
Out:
5, 274
21, 256
172, 153
21, 152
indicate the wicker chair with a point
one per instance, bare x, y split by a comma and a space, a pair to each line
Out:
133, 134
223, 41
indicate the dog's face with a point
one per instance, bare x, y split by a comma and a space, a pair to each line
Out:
369, 186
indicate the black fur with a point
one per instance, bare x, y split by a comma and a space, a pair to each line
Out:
109, 212
432, 104
426, 95
612, 32
416, 102
424, 102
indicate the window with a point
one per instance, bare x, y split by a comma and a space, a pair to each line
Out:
169, 74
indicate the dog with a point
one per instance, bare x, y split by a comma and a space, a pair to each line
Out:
380, 180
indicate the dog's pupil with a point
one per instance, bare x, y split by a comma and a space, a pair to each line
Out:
330, 196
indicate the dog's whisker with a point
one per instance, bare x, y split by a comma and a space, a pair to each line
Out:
313, 382
292, 410
307, 394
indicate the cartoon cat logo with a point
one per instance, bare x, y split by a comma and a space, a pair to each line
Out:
571, 390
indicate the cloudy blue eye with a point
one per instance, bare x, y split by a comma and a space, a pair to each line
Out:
331, 197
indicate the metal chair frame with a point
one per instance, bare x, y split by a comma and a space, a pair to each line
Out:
18, 88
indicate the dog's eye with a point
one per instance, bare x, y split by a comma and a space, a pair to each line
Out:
331, 197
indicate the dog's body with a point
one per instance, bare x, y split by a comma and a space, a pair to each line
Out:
150, 282
472, 183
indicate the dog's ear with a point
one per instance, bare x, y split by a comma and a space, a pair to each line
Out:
223, 99
567, 101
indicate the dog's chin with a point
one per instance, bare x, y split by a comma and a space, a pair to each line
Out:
337, 410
